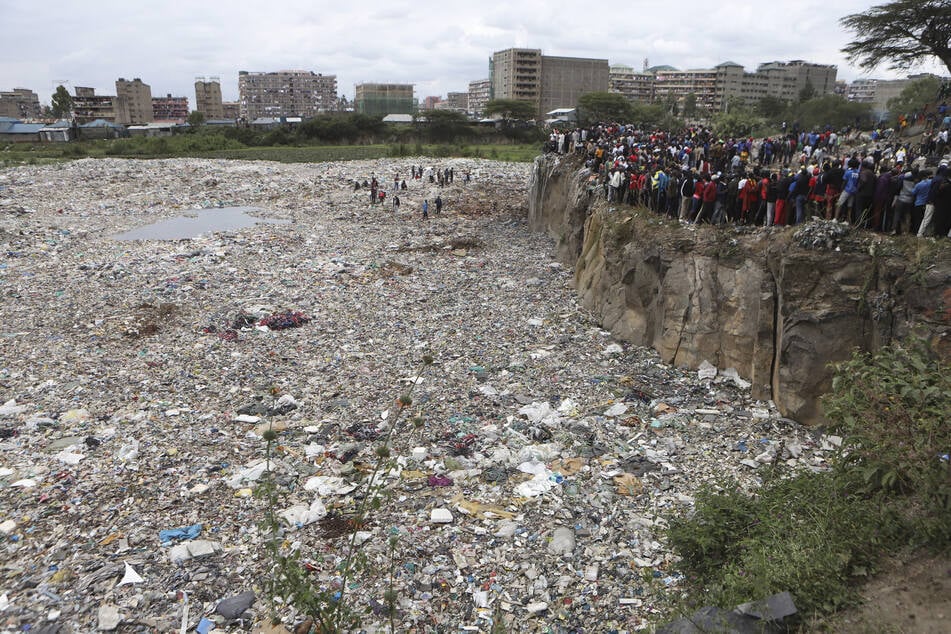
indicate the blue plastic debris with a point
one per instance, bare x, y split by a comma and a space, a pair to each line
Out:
172, 535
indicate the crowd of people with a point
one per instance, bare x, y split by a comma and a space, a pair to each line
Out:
884, 185
441, 177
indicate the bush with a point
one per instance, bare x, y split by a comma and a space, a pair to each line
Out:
893, 408
814, 533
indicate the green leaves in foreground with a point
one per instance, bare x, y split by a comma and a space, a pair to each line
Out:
814, 534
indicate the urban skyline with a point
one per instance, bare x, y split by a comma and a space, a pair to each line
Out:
435, 46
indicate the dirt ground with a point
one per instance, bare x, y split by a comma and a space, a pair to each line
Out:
914, 597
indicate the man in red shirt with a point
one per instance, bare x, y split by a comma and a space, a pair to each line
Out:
709, 199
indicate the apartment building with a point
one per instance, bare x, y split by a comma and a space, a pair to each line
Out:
878, 92
635, 86
455, 101
675, 85
287, 93
478, 96
549, 82
169, 108
515, 73
231, 110
88, 106
384, 99
20, 103
208, 98
786, 80
133, 102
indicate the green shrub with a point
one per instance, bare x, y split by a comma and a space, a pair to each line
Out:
814, 534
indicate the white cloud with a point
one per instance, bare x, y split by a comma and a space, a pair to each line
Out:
439, 46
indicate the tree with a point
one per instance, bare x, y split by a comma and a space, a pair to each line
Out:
690, 105
61, 104
195, 118
902, 34
444, 126
770, 107
517, 109
915, 96
830, 110
808, 92
594, 107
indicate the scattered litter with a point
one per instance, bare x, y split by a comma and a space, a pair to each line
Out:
130, 576
528, 479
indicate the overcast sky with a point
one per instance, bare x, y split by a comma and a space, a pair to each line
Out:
437, 45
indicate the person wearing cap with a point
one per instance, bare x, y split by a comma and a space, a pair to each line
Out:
904, 200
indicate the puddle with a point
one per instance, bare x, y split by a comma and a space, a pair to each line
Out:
197, 222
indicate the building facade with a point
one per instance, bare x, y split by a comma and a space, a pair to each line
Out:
384, 99
231, 110
88, 106
675, 85
285, 94
455, 101
478, 96
549, 82
633, 85
133, 101
170, 108
20, 103
516, 73
208, 98
878, 92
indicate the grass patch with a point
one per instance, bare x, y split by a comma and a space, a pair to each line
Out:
818, 534
218, 146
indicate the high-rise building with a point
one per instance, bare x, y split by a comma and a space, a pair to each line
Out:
787, 80
549, 82
479, 91
287, 93
208, 98
676, 85
88, 106
384, 99
635, 86
20, 103
516, 73
430, 103
134, 102
170, 108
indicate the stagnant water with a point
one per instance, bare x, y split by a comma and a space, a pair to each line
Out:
198, 222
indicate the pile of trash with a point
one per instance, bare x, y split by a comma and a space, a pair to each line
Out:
822, 235
530, 467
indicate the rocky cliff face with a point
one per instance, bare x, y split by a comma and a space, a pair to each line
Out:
778, 306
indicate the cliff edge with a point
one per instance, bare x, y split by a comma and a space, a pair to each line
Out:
778, 305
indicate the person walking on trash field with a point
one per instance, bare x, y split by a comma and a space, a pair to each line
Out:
426, 209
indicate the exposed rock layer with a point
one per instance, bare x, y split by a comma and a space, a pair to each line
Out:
757, 301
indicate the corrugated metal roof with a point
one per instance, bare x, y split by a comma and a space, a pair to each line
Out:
23, 128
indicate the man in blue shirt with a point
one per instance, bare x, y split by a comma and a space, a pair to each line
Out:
850, 185
920, 192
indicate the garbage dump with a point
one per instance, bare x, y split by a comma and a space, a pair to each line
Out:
142, 382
